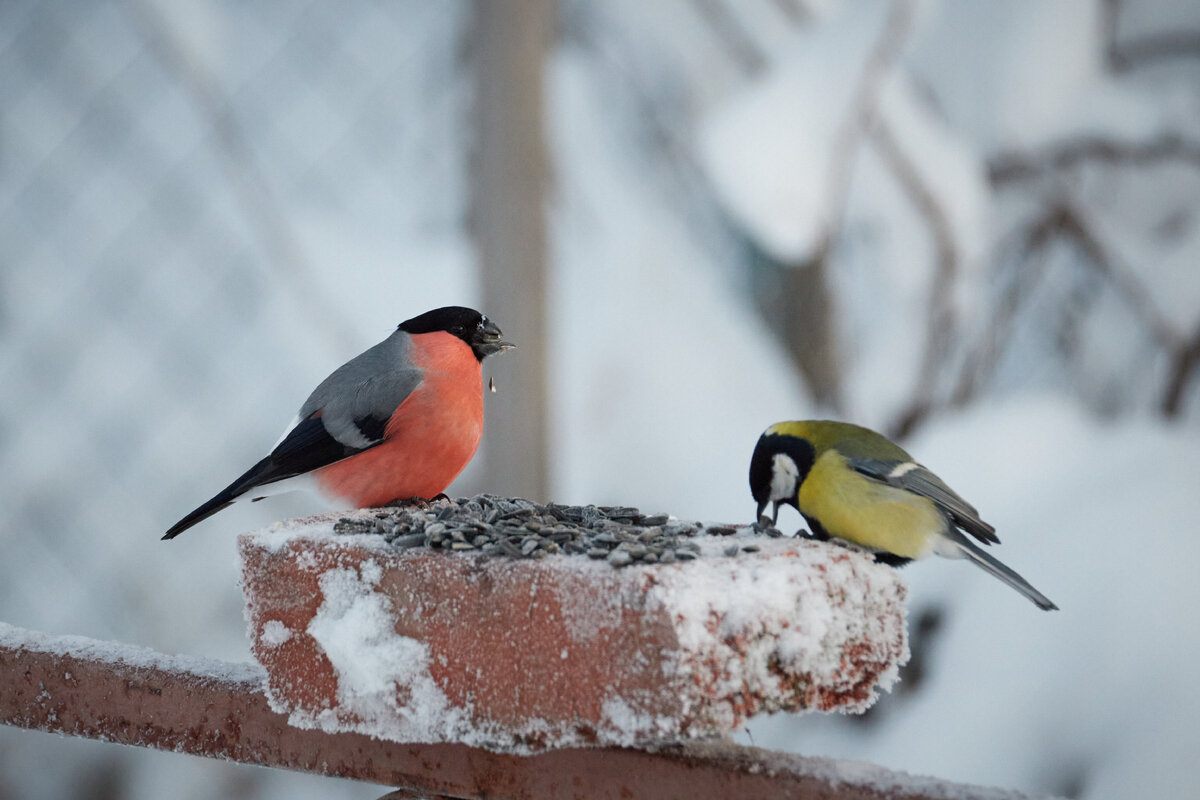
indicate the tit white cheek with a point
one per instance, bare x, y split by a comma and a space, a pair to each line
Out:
783, 477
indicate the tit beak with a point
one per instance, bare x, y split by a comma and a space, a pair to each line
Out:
762, 507
488, 340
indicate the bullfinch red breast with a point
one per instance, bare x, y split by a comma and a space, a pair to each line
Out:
399, 421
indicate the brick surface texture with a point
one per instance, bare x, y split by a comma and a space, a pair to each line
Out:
525, 655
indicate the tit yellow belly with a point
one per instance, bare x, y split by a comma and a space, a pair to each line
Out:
853, 507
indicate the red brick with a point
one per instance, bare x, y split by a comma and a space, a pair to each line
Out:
532, 654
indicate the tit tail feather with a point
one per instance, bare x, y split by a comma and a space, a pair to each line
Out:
992, 565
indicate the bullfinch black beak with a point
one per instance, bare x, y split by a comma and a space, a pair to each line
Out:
488, 340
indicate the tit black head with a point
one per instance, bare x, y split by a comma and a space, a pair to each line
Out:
779, 465
480, 333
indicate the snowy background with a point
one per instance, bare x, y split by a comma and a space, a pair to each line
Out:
973, 226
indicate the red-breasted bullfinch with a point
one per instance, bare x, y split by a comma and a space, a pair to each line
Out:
852, 484
399, 421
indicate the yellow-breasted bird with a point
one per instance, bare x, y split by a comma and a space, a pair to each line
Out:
853, 484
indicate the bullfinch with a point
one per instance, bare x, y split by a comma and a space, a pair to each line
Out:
852, 484
399, 421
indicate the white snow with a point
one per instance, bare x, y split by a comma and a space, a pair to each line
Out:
355, 627
1029, 62
796, 618
128, 655
274, 633
948, 166
773, 151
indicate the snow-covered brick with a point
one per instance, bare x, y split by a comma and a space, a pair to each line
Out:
511, 650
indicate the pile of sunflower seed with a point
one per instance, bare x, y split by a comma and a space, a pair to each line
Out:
518, 528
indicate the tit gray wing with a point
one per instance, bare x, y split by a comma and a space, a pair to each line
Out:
912, 477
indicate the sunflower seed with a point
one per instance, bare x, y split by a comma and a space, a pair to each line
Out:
504, 527
619, 558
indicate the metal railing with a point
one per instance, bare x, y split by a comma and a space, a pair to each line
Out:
128, 695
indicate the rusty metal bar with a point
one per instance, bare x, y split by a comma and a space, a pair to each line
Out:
128, 695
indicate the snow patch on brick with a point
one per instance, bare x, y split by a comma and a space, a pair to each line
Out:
275, 633
780, 628
384, 686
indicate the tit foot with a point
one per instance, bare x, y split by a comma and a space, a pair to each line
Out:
765, 525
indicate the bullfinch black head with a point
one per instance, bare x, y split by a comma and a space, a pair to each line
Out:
777, 468
480, 333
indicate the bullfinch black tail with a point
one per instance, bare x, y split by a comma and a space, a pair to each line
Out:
222, 500
983, 559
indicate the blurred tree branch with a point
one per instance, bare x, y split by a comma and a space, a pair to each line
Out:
1146, 49
1008, 168
738, 42
1064, 219
1029, 261
1184, 363
803, 312
958, 357
812, 335
941, 322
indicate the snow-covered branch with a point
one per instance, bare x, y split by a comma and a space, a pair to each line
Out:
1010, 167
940, 326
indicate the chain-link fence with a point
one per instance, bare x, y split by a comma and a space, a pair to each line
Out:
195, 201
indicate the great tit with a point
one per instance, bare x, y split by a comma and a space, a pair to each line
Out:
852, 484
